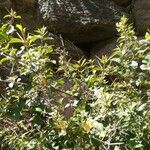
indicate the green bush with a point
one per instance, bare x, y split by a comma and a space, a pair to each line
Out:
50, 104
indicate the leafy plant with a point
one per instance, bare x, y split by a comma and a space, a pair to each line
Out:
52, 104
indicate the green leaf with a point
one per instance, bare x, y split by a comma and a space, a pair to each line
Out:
3, 60
116, 148
147, 57
147, 36
117, 60
13, 52
18, 26
6, 16
3, 36
15, 40
38, 109
138, 146
17, 17
34, 38
142, 107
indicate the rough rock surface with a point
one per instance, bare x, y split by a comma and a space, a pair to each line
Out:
106, 47
141, 12
27, 9
5, 4
30, 15
122, 2
26, 3
103, 48
81, 21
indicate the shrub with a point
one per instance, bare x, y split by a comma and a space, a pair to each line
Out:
107, 104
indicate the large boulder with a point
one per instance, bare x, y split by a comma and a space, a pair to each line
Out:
122, 2
24, 3
141, 12
5, 4
27, 9
81, 21
29, 12
103, 48
106, 47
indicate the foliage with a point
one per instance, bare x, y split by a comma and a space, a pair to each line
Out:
52, 103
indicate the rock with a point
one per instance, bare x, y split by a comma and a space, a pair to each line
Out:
106, 47
27, 9
103, 48
81, 21
122, 2
30, 15
141, 12
24, 3
5, 4
73, 51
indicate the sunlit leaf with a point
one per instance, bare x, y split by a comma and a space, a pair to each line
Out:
15, 40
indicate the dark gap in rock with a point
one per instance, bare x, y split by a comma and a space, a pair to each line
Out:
86, 48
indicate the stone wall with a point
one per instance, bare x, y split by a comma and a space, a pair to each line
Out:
82, 22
